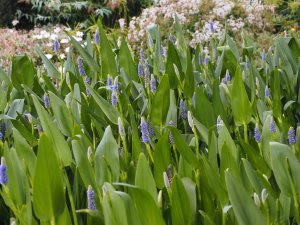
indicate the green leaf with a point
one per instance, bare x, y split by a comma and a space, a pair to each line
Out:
161, 102
244, 208
84, 166
107, 165
57, 140
148, 212
241, 107
276, 93
114, 209
48, 191
22, 72
24, 151
85, 55
132, 216
108, 63
3, 99
62, 115
136, 143
144, 178
51, 70
173, 59
162, 159
183, 148
111, 113
181, 207
126, 61
189, 81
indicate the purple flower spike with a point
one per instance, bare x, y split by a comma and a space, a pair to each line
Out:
292, 136
109, 81
80, 66
171, 140
153, 83
227, 76
182, 109
114, 100
91, 198
171, 38
267, 92
140, 69
46, 101
257, 133
3, 172
272, 125
97, 37
142, 56
56, 46
211, 26
144, 131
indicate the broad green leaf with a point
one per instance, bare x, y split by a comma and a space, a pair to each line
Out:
132, 216
3, 99
85, 55
276, 93
24, 151
114, 209
183, 148
56, 138
111, 113
62, 115
22, 71
244, 208
107, 165
126, 61
51, 70
241, 107
48, 190
285, 167
189, 80
84, 166
161, 102
190, 188
162, 159
135, 138
173, 59
108, 63
144, 178
181, 208
147, 210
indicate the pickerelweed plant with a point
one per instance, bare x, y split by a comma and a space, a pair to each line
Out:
208, 136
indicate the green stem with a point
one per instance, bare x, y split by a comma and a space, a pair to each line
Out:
149, 152
70, 198
196, 142
175, 154
52, 221
246, 133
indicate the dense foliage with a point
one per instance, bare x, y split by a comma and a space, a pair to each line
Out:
172, 136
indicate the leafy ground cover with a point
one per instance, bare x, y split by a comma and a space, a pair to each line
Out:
171, 136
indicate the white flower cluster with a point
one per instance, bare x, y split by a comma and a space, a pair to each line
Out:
203, 35
187, 9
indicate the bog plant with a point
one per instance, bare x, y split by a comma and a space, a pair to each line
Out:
166, 136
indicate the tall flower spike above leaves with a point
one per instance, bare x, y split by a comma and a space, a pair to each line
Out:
97, 37
272, 125
142, 56
153, 83
56, 46
114, 99
227, 76
267, 92
257, 133
140, 69
46, 101
171, 38
171, 140
3, 172
182, 109
144, 131
91, 198
80, 66
109, 81
211, 26
292, 136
